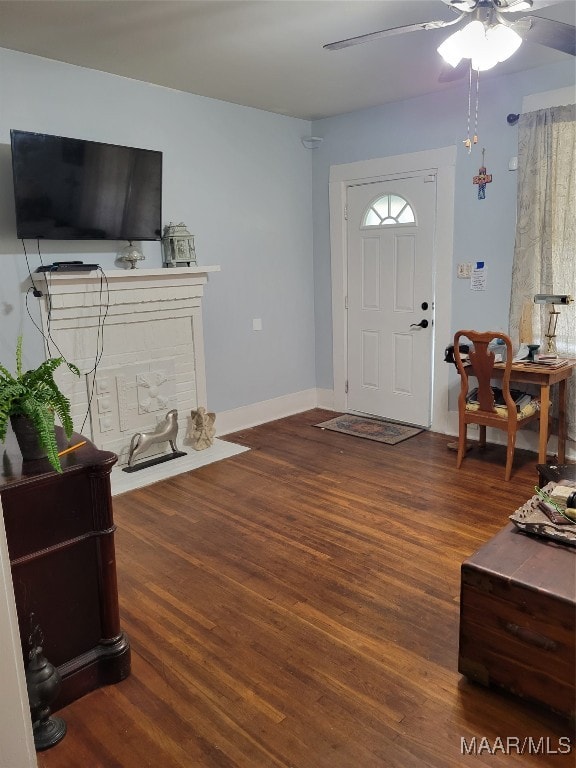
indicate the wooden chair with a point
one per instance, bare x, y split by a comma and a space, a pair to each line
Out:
482, 409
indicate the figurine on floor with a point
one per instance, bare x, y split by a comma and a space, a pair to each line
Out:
203, 430
165, 431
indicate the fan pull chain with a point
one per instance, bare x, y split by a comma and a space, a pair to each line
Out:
468, 142
474, 140
477, 106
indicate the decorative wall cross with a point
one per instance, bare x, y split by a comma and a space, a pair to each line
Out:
482, 179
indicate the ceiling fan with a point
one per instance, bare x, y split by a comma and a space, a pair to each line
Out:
487, 31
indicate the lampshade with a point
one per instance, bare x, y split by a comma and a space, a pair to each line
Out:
504, 41
485, 47
484, 59
451, 48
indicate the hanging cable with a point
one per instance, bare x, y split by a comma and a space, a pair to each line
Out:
103, 314
37, 292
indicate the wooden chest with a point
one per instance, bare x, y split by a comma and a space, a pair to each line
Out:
517, 619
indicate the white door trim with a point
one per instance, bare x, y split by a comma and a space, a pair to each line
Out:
16, 740
442, 161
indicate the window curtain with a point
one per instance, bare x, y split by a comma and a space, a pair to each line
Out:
545, 249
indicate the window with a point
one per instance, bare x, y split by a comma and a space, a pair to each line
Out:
388, 209
545, 250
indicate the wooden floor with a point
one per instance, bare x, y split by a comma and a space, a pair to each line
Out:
296, 606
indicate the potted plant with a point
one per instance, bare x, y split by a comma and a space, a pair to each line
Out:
31, 400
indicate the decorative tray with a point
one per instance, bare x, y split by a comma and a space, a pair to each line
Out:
530, 519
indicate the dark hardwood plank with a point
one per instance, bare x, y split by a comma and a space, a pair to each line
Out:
297, 606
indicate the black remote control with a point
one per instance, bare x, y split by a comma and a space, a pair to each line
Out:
68, 266
63, 263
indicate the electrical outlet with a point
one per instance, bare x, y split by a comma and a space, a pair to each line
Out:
464, 271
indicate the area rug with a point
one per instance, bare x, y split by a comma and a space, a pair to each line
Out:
382, 431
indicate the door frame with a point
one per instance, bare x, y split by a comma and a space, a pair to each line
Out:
442, 162
16, 739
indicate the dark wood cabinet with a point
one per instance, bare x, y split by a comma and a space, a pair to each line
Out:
60, 534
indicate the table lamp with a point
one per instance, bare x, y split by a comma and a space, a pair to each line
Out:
554, 299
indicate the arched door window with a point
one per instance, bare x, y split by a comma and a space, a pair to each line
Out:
388, 209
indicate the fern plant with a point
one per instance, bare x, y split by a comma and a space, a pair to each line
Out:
35, 394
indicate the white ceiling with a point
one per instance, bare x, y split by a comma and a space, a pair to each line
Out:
261, 53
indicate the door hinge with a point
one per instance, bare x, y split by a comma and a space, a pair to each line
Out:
345, 213
346, 386
345, 302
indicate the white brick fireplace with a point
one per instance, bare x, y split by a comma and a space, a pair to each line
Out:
144, 327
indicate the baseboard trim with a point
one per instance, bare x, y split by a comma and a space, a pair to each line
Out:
252, 415
325, 399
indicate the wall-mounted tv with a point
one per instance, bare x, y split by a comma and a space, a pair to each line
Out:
71, 189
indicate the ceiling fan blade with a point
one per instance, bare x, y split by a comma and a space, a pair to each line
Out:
449, 74
461, 5
389, 32
552, 34
515, 6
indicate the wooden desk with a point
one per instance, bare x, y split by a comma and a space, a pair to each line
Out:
543, 377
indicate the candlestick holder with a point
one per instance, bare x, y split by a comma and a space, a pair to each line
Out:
43, 682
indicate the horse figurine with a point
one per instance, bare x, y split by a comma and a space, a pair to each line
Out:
165, 431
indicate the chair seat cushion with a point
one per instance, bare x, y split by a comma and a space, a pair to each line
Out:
526, 405
527, 410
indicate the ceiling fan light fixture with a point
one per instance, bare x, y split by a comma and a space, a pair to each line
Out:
484, 46
466, 43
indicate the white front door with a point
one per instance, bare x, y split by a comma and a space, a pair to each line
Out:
391, 235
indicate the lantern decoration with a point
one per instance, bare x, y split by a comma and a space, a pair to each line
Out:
178, 246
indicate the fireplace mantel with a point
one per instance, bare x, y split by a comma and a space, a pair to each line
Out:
144, 326
131, 275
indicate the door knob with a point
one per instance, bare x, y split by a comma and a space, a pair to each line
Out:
421, 324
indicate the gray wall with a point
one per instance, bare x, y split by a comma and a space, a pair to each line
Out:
238, 177
484, 229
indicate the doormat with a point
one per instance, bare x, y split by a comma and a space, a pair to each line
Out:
382, 431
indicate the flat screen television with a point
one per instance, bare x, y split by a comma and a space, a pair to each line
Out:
71, 189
